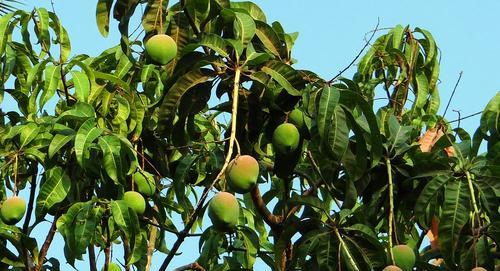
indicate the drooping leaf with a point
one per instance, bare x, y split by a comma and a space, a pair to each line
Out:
110, 146
54, 190
103, 11
87, 133
454, 217
52, 80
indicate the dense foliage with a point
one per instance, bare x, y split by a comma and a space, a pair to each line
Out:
361, 179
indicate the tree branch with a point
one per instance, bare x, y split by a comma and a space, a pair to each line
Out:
93, 265
46, 244
31, 200
272, 220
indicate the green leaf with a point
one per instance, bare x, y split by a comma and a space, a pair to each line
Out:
431, 189
54, 190
139, 246
87, 133
103, 11
431, 48
28, 133
110, 146
244, 27
251, 244
60, 140
62, 37
351, 97
269, 38
80, 111
150, 20
455, 215
85, 227
337, 137
422, 92
124, 218
172, 98
43, 28
52, 80
328, 101
215, 43
251, 8
82, 85
490, 119
112, 78
4, 26
284, 75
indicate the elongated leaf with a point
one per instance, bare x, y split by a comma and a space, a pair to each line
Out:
309, 201
54, 190
490, 119
80, 111
337, 137
349, 97
4, 26
85, 227
139, 246
82, 85
150, 18
251, 8
172, 98
28, 133
215, 43
454, 217
430, 190
422, 91
251, 244
269, 38
103, 11
431, 48
284, 75
124, 218
43, 28
52, 80
59, 141
87, 133
113, 79
62, 37
244, 27
327, 103
110, 146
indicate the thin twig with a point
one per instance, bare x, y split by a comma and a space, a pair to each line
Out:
359, 54
453, 92
466, 117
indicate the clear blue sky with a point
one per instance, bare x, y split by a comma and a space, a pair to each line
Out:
331, 34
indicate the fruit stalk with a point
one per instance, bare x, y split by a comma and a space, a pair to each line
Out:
182, 235
391, 208
472, 195
346, 251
